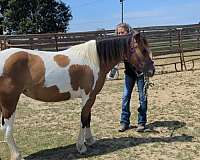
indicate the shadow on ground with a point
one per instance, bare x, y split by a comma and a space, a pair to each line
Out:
170, 125
166, 124
107, 145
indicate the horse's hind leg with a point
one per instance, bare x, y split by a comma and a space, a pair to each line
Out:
8, 107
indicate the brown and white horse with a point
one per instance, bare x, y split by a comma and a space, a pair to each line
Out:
78, 72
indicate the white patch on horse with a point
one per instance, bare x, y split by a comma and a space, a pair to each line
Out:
55, 75
87, 51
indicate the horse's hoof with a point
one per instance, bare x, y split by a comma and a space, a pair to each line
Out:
81, 148
90, 141
17, 157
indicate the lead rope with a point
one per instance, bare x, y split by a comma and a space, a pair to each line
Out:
147, 84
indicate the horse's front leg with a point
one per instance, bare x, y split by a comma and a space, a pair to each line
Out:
89, 139
85, 135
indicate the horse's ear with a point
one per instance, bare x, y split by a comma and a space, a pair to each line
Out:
137, 36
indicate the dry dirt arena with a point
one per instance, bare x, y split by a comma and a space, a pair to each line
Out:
48, 131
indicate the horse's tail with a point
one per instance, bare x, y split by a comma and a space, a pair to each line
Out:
0, 118
1, 122
2, 127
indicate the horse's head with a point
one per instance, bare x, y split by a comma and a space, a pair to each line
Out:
132, 47
140, 55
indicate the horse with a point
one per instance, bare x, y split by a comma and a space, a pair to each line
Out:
77, 72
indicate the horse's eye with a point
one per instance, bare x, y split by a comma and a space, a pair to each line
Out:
132, 50
145, 51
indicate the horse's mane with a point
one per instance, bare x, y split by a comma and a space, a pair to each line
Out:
112, 48
86, 50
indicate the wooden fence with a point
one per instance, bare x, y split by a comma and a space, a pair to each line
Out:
163, 40
51, 41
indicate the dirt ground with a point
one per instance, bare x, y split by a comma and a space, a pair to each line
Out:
48, 131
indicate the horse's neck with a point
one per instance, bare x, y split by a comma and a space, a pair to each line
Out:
108, 66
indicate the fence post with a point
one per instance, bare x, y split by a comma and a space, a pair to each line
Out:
180, 48
2, 45
56, 40
5, 43
31, 42
198, 41
170, 40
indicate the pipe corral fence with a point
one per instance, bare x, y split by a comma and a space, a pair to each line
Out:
166, 42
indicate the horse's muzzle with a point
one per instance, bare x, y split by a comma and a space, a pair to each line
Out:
149, 69
150, 73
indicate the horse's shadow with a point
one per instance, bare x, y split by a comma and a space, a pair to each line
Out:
108, 145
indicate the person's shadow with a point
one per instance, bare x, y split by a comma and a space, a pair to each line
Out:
108, 145
170, 125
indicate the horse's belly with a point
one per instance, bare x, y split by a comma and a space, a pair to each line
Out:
50, 94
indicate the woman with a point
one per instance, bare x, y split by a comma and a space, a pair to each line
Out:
132, 77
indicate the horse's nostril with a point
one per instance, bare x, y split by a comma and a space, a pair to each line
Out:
151, 73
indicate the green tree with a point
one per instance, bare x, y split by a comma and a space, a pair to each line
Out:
35, 16
1, 26
3, 4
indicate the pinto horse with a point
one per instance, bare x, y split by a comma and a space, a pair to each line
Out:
78, 72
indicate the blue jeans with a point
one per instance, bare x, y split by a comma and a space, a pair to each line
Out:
142, 110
